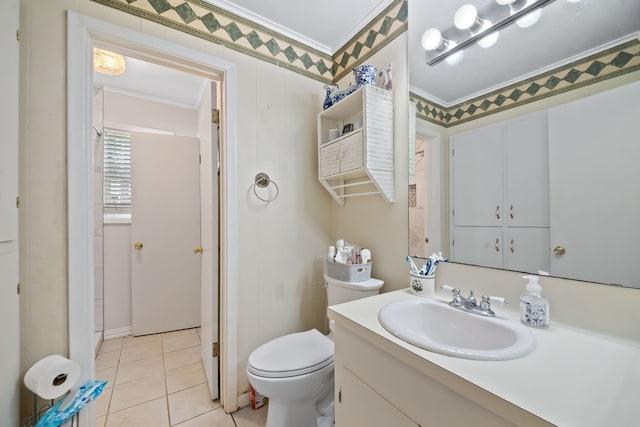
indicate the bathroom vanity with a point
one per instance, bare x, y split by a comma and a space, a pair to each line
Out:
571, 378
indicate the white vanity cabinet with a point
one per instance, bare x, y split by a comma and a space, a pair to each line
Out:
500, 195
375, 389
359, 162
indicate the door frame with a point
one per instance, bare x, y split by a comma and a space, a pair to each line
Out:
82, 33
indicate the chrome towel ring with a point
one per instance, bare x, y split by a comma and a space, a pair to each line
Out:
262, 180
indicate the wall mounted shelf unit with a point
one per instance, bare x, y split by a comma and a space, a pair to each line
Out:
360, 162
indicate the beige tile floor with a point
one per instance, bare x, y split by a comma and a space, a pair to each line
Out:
158, 380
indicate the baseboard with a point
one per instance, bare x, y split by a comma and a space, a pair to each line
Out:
117, 333
244, 399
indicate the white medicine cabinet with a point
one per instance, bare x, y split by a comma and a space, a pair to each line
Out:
355, 145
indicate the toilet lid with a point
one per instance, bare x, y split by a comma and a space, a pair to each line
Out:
292, 355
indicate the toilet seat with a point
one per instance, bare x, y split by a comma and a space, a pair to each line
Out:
292, 355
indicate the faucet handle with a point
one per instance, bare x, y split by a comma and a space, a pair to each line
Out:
486, 301
454, 291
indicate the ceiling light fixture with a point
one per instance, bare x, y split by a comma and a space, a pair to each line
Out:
479, 25
109, 63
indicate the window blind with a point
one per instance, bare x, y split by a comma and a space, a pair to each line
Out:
117, 168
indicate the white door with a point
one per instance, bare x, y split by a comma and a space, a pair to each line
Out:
593, 160
527, 249
208, 132
9, 299
527, 171
477, 177
165, 230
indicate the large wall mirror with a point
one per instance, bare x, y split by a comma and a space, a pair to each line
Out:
549, 186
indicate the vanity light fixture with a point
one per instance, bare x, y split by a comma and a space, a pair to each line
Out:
478, 25
109, 63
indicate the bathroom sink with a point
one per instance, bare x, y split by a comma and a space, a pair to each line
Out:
433, 325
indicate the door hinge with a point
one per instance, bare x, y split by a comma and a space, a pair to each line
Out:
340, 395
18, 35
453, 212
200, 158
453, 151
453, 243
18, 288
215, 115
215, 350
18, 202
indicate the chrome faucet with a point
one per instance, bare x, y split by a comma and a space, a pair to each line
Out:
470, 304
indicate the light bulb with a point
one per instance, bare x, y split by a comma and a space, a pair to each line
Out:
573, 1
489, 40
431, 39
529, 19
465, 16
504, 2
456, 57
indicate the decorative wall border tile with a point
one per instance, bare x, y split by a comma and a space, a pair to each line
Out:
388, 25
619, 60
209, 22
204, 20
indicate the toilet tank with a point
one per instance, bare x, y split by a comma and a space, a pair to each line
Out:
339, 291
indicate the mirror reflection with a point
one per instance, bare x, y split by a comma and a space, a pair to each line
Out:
546, 179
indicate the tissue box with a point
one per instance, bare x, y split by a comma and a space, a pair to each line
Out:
349, 273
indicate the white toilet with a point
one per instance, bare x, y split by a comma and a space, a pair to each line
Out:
295, 371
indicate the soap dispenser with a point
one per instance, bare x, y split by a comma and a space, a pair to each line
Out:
534, 309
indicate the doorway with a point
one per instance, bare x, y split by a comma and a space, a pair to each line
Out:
83, 34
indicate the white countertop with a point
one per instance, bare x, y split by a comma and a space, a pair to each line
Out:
571, 378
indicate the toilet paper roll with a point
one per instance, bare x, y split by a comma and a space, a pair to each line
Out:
52, 376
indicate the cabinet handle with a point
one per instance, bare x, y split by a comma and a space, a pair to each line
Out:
511, 211
498, 211
497, 244
511, 245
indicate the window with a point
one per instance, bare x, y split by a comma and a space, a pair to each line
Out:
117, 168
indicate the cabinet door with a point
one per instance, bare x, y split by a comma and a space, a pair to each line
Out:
527, 171
351, 153
330, 159
359, 405
477, 177
527, 249
478, 246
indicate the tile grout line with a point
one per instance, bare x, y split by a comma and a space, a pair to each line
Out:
166, 386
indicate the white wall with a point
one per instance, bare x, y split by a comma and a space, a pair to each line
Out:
281, 246
98, 231
117, 280
122, 109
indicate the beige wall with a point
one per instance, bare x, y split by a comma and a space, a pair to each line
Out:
281, 245
370, 221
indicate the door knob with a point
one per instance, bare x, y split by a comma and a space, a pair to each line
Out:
137, 245
197, 250
559, 250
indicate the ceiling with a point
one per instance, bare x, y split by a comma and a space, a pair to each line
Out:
154, 82
324, 25
565, 30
